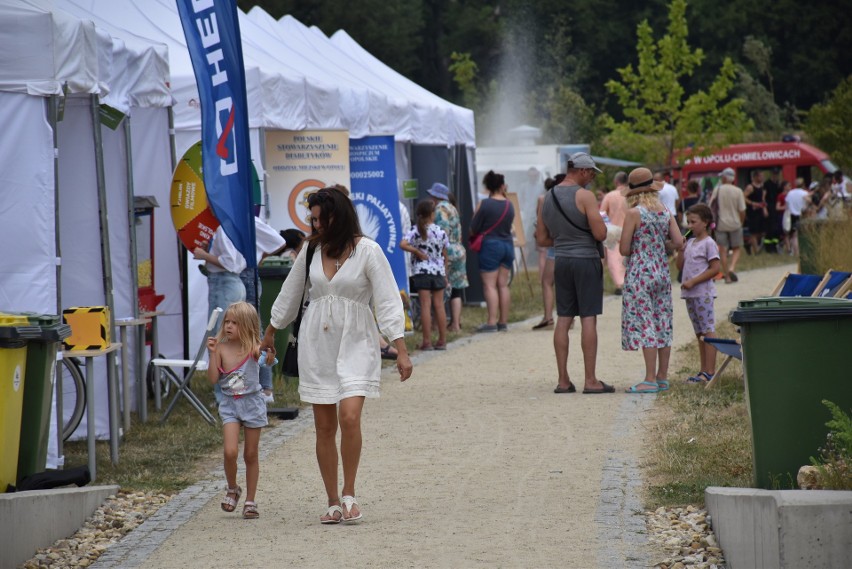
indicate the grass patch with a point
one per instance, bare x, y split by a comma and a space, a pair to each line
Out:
699, 437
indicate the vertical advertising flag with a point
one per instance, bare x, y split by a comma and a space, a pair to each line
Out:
298, 163
212, 35
374, 193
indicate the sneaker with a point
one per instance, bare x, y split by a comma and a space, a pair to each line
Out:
502, 327
268, 397
487, 328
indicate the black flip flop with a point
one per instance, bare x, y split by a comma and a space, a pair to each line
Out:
386, 355
605, 389
569, 389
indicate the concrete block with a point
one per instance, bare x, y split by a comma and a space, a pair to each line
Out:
787, 529
35, 519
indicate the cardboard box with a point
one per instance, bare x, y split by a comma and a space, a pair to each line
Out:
90, 329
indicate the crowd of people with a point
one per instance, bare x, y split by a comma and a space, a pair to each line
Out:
354, 315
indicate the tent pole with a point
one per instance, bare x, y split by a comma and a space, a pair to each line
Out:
53, 118
106, 262
181, 250
139, 336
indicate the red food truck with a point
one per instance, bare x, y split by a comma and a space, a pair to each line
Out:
795, 159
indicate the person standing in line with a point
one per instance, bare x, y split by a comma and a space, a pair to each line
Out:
339, 362
772, 223
546, 262
235, 361
646, 315
493, 218
699, 262
267, 242
571, 222
428, 245
728, 206
447, 218
668, 195
797, 204
757, 212
614, 205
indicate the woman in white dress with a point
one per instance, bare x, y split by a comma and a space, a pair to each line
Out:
339, 358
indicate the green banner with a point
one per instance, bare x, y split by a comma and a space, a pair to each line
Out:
409, 189
111, 117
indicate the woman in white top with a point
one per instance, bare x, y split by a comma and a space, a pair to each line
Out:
339, 358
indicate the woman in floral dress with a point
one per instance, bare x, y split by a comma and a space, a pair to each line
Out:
646, 316
447, 218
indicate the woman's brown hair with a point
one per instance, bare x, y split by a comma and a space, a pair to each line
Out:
338, 219
493, 181
424, 212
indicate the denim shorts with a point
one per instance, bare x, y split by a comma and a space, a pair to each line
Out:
248, 410
496, 253
223, 290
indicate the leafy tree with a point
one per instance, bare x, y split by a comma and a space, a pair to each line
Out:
829, 124
758, 100
655, 104
464, 72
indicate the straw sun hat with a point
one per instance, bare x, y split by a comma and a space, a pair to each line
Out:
641, 180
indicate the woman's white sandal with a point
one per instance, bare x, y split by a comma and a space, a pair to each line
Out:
330, 513
347, 502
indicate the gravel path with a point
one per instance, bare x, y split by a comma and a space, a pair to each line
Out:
474, 462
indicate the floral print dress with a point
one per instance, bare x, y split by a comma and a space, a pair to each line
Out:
646, 315
447, 218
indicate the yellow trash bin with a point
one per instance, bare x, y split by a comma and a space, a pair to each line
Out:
13, 361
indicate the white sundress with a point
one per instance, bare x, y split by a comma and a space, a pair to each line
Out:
339, 353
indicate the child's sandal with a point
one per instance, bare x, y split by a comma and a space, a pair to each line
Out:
250, 511
232, 496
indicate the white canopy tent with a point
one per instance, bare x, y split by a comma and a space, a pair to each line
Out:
55, 202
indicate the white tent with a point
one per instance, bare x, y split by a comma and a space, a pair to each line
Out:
52, 198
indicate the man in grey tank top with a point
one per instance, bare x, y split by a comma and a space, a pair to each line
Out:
570, 222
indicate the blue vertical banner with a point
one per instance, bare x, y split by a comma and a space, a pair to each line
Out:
212, 35
372, 171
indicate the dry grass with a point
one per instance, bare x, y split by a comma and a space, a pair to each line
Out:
699, 437
822, 252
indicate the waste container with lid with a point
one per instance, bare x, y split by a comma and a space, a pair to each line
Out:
39, 380
795, 355
14, 331
273, 272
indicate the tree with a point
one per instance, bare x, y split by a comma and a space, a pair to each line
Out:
758, 100
829, 124
655, 104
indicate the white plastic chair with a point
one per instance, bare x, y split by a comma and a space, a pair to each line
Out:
169, 368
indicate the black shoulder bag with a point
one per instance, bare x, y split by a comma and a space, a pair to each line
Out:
290, 365
598, 244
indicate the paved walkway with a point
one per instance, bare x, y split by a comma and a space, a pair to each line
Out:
474, 462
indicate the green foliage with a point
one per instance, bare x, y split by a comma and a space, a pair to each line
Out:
654, 101
464, 72
835, 460
829, 124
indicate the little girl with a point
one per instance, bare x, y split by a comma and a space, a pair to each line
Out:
235, 360
428, 245
699, 261
646, 316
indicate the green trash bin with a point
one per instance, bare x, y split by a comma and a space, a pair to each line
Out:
795, 355
40, 376
14, 333
273, 272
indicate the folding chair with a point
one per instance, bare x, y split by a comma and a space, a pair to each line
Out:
161, 365
793, 284
731, 348
832, 283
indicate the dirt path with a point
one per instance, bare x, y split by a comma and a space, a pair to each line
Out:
474, 462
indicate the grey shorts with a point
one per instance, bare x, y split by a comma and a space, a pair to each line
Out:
579, 286
248, 410
730, 239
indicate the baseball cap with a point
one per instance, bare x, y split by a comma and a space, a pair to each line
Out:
582, 160
728, 173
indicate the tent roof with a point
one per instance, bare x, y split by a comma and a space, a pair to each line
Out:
459, 125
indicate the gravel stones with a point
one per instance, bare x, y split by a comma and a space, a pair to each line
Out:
686, 538
113, 520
